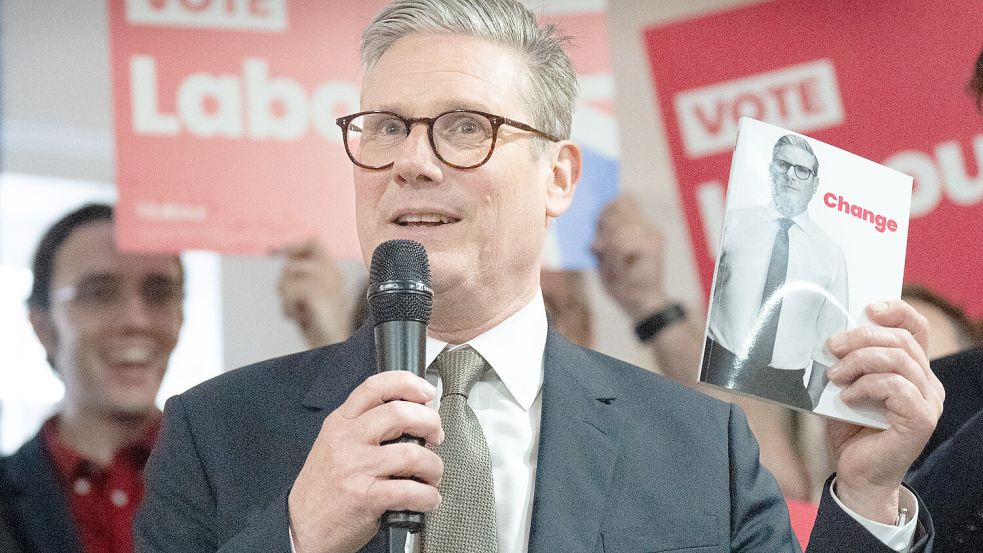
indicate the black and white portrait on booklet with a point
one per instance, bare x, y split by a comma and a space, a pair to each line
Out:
812, 234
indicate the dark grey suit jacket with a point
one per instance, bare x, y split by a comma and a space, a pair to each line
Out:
37, 505
8, 542
628, 461
950, 471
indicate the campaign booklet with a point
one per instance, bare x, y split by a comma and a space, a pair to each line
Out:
812, 234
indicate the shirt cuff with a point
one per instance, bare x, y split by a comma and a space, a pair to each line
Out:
898, 538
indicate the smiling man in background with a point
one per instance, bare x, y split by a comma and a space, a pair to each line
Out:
108, 322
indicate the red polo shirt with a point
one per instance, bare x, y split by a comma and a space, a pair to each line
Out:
103, 500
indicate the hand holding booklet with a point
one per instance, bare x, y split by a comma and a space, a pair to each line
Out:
812, 234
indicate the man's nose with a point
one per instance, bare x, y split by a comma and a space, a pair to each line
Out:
415, 159
134, 311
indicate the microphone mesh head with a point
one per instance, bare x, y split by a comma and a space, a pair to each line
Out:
402, 263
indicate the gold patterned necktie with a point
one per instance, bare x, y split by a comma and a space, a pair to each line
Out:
465, 521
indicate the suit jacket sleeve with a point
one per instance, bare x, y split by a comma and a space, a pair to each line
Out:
759, 519
179, 509
835, 530
758, 505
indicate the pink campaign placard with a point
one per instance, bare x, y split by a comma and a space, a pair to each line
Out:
885, 80
224, 120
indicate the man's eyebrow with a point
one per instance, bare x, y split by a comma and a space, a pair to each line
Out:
476, 106
395, 108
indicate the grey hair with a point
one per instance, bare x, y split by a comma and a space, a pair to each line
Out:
797, 142
550, 89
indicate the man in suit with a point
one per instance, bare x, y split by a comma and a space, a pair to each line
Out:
108, 322
538, 445
767, 322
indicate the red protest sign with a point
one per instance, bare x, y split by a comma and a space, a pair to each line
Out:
884, 80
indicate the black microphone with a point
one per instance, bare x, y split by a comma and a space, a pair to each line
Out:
400, 301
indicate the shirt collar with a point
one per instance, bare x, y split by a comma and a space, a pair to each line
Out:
70, 464
514, 349
801, 220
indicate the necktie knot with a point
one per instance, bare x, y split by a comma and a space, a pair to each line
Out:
460, 369
785, 223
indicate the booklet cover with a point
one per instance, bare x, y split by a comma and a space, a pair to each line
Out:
812, 234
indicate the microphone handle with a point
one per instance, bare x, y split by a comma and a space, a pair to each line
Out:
401, 346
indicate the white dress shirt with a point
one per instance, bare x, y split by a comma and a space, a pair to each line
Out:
814, 297
508, 404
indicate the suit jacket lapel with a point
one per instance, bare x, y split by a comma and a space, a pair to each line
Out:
38, 502
340, 369
578, 445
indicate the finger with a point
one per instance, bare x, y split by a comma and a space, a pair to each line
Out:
599, 246
898, 314
879, 360
633, 240
306, 268
609, 269
401, 495
291, 299
619, 231
293, 307
385, 387
307, 248
604, 221
843, 343
406, 460
904, 403
395, 418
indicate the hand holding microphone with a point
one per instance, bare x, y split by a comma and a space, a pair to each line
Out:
350, 479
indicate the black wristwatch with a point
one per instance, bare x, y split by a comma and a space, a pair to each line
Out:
647, 328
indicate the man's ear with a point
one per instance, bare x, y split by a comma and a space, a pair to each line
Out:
44, 329
567, 164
